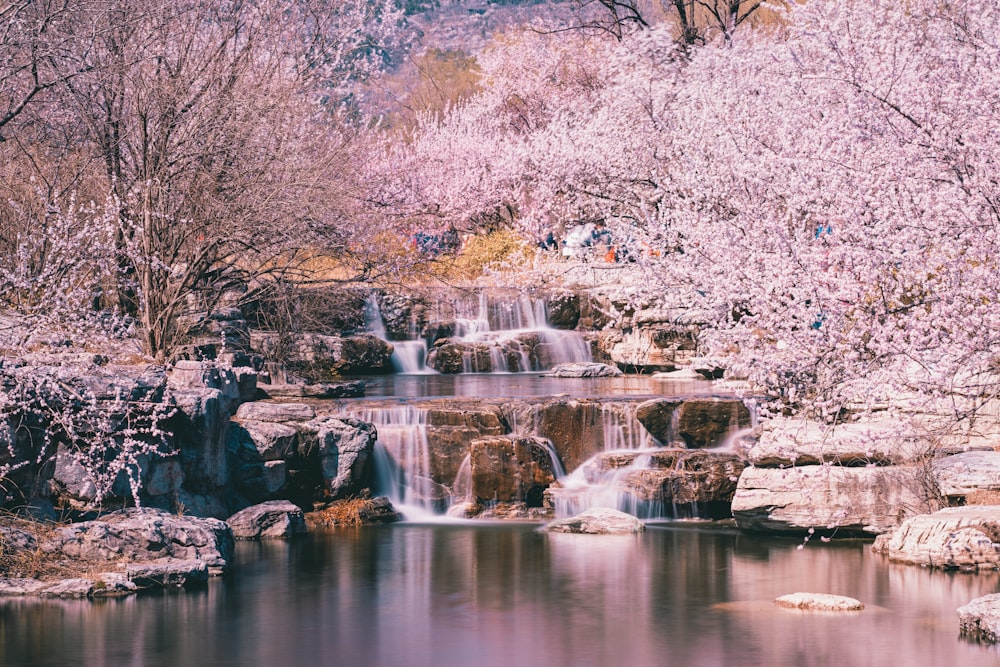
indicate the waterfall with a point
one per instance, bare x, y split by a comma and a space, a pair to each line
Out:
408, 356
403, 468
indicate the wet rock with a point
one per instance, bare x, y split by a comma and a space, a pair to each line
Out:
962, 474
275, 519
685, 477
167, 573
563, 311
963, 538
980, 619
819, 602
597, 521
707, 423
868, 500
145, 535
788, 442
510, 469
451, 357
576, 429
583, 369
657, 417
68, 588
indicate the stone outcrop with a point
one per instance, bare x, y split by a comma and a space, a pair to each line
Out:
277, 519
790, 442
960, 475
819, 602
597, 521
142, 535
870, 500
980, 619
344, 448
324, 357
962, 538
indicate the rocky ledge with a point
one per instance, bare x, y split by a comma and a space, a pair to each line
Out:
955, 538
129, 550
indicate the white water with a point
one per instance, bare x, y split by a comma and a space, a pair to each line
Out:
504, 328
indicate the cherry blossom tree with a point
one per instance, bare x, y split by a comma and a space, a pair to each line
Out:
827, 190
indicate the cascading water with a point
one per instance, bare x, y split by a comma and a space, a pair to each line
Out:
403, 461
408, 356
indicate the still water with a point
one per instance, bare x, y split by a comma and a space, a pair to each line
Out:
489, 595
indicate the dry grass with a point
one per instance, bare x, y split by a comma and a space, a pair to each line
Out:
347, 512
34, 563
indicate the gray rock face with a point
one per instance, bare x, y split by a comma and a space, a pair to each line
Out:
962, 474
980, 619
598, 521
199, 431
345, 447
145, 535
964, 538
273, 441
657, 416
275, 519
869, 500
167, 573
698, 423
819, 602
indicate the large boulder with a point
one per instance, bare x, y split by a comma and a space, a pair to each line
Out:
597, 521
678, 476
276, 519
451, 356
708, 422
344, 447
199, 431
141, 535
324, 357
963, 538
575, 428
869, 500
510, 469
980, 619
272, 411
657, 417
563, 311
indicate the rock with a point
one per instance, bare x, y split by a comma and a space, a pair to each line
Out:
449, 357
354, 512
563, 312
14, 539
510, 469
677, 477
707, 423
575, 428
869, 500
583, 369
268, 411
819, 602
354, 389
961, 474
788, 442
117, 584
167, 573
20, 586
327, 356
274, 519
272, 440
657, 417
597, 521
980, 619
145, 535
963, 538
195, 375
68, 588
199, 430
345, 447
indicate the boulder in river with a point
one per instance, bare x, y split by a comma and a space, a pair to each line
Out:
962, 538
980, 619
274, 519
597, 521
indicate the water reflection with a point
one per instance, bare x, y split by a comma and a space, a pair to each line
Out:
506, 595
